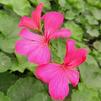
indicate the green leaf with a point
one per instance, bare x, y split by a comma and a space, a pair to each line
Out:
9, 24
8, 44
72, 1
3, 97
21, 8
40, 97
83, 45
79, 7
24, 89
100, 93
84, 94
92, 31
91, 20
6, 2
96, 13
70, 15
9, 28
47, 5
96, 3
62, 3
6, 80
91, 73
77, 32
97, 45
58, 50
81, 19
97, 55
21, 64
5, 62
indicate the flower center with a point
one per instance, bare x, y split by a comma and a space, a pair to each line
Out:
45, 41
64, 66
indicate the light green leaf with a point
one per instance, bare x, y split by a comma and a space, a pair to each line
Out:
5, 62
72, 1
8, 44
58, 50
91, 73
96, 13
91, 20
81, 19
62, 3
97, 55
47, 5
6, 2
24, 89
83, 45
9, 28
92, 31
9, 24
79, 7
84, 94
21, 64
40, 97
21, 8
21, 67
3, 97
96, 3
97, 45
70, 15
77, 32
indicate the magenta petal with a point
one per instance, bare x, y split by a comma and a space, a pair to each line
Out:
27, 23
26, 34
36, 15
74, 57
62, 33
52, 21
23, 47
70, 51
47, 72
79, 58
58, 86
73, 76
40, 55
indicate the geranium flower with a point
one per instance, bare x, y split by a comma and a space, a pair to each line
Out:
35, 46
35, 21
58, 76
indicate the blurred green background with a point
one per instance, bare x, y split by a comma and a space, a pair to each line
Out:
83, 17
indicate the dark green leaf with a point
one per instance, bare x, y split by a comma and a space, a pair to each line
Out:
24, 89
6, 80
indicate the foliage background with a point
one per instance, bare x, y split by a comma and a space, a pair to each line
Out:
17, 82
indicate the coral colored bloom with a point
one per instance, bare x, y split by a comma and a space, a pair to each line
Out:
35, 21
58, 76
36, 46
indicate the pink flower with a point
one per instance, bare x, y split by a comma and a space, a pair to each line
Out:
58, 76
35, 46
35, 21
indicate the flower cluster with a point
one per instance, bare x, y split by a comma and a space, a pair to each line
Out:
36, 48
